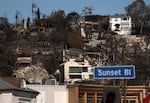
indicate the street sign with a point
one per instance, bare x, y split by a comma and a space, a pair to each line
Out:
114, 72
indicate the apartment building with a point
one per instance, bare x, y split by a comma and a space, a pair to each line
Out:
75, 70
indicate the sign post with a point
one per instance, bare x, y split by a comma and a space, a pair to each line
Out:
115, 72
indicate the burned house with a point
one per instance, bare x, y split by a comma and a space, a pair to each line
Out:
121, 24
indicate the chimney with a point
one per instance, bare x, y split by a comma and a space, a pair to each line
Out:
23, 84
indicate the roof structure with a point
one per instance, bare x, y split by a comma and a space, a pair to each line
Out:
6, 86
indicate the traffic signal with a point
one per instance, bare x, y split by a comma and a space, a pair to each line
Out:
111, 95
110, 98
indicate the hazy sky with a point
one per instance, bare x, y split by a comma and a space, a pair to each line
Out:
101, 7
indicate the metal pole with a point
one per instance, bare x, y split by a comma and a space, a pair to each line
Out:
125, 84
114, 82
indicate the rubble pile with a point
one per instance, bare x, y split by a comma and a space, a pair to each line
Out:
32, 74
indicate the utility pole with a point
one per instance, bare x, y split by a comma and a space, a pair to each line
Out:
18, 16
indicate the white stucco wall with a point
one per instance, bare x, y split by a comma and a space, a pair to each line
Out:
60, 96
6, 98
10, 98
51, 93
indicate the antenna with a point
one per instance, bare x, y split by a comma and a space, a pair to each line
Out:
35, 11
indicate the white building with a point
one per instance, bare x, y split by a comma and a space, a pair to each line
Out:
51, 93
12, 94
121, 24
75, 70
